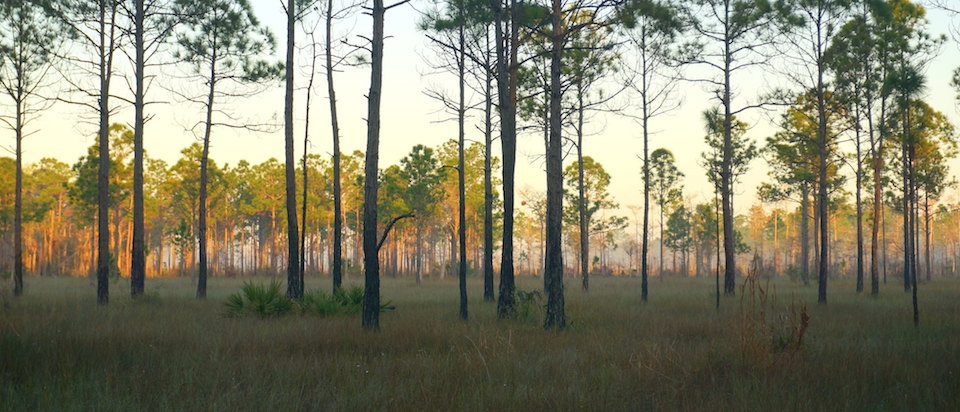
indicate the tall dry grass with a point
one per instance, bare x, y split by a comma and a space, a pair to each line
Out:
60, 351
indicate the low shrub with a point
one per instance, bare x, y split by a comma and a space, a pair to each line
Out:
528, 303
319, 302
259, 300
266, 301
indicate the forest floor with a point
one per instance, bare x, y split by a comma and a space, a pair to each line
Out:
167, 351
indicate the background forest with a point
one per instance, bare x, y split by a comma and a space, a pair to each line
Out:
857, 178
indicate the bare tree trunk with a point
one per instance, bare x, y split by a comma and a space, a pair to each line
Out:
461, 187
138, 264
337, 274
726, 178
581, 198
488, 294
859, 206
506, 90
553, 274
18, 203
371, 261
823, 203
106, 47
202, 218
805, 235
294, 277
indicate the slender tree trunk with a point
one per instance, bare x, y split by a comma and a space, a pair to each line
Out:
907, 210
461, 187
18, 197
823, 202
716, 206
204, 156
306, 147
805, 235
337, 274
371, 261
876, 149
726, 178
645, 241
506, 90
859, 206
106, 47
581, 199
294, 281
926, 234
488, 294
138, 264
553, 275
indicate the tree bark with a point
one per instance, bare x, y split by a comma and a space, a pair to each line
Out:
506, 90
823, 202
488, 294
553, 274
18, 197
138, 263
371, 261
461, 187
204, 156
294, 281
726, 178
581, 198
106, 47
337, 273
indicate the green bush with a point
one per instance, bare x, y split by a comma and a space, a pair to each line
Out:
527, 302
259, 300
319, 302
350, 299
270, 301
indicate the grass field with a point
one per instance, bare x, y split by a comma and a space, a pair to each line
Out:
60, 351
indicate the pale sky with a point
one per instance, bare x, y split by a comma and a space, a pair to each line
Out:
409, 117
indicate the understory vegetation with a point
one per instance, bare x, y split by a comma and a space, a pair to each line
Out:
169, 351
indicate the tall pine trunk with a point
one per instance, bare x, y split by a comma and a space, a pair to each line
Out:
138, 263
488, 294
371, 261
461, 187
294, 277
553, 266
337, 270
507, 91
205, 154
106, 47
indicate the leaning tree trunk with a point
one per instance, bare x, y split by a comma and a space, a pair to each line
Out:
371, 261
337, 270
306, 147
294, 281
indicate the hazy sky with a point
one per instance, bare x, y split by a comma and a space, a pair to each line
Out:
409, 117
